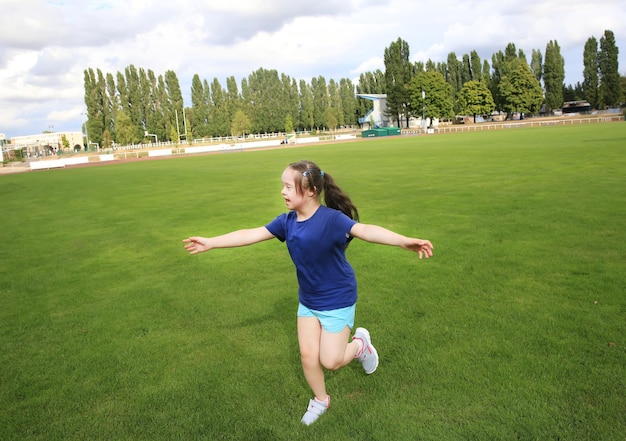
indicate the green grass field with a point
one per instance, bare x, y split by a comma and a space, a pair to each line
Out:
515, 330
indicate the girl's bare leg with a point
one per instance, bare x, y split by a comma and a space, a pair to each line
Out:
309, 336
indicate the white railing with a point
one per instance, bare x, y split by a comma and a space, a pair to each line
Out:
526, 123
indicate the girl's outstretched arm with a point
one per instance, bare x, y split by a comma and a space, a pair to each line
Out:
383, 236
239, 238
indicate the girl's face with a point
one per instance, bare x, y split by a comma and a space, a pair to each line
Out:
294, 199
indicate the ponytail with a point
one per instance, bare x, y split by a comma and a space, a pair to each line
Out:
334, 197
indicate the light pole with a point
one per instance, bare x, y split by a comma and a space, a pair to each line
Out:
86, 130
423, 111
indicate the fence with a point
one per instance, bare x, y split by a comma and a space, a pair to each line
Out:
526, 123
157, 149
266, 141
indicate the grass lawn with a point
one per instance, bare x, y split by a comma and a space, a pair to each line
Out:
515, 330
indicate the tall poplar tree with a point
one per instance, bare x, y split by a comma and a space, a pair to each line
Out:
591, 72
306, 121
454, 74
151, 110
174, 106
398, 71
477, 71
321, 102
291, 103
334, 105
466, 71
219, 124
610, 84
199, 117
348, 101
112, 103
553, 76
95, 108
135, 103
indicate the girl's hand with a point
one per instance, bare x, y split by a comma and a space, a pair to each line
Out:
196, 245
422, 247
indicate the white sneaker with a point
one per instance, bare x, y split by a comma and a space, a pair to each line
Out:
315, 410
368, 356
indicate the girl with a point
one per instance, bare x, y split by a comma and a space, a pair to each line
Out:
317, 236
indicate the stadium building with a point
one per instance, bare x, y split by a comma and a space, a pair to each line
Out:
45, 144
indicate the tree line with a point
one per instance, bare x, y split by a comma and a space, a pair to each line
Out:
136, 105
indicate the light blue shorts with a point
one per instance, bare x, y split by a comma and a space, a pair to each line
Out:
334, 320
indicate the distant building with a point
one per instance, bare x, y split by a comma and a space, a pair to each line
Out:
576, 107
45, 143
376, 115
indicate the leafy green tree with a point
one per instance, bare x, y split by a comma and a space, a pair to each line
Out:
173, 135
520, 91
475, 99
106, 139
331, 118
438, 95
267, 94
65, 142
502, 63
553, 76
288, 124
124, 128
591, 79
610, 85
241, 124
398, 73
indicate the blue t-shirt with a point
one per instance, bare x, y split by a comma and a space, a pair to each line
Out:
317, 247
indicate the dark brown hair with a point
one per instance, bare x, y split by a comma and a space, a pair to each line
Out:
311, 176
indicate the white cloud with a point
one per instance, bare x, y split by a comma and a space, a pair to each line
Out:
45, 46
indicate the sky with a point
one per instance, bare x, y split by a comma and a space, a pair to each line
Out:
46, 45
